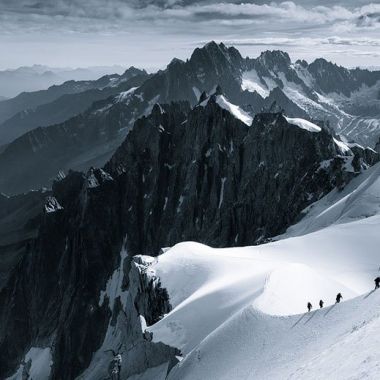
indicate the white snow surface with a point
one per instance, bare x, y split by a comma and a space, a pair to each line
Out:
344, 149
113, 287
235, 110
240, 313
303, 124
251, 82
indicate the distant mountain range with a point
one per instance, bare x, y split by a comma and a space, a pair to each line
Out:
346, 100
39, 77
58, 103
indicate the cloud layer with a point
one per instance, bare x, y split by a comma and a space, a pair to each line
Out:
303, 27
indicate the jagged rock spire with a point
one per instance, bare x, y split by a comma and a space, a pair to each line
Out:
218, 90
203, 97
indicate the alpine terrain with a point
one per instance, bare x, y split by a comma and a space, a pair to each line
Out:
176, 225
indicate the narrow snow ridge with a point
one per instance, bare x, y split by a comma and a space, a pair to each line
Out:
231, 108
303, 124
276, 279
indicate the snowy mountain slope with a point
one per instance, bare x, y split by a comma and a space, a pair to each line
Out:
335, 343
347, 98
359, 199
234, 309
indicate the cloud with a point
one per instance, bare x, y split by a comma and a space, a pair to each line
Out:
302, 41
117, 13
314, 25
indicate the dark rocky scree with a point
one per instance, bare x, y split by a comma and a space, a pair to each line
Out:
181, 174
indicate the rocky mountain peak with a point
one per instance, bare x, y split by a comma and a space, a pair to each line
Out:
218, 55
273, 59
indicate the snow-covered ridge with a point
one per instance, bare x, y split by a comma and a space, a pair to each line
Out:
303, 124
347, 113
235, 110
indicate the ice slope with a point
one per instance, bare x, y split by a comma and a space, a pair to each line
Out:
358, 200
339, 342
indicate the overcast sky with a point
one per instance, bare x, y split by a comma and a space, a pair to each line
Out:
148, 33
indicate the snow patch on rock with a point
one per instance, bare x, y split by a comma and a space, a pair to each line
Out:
303, 124
36, 365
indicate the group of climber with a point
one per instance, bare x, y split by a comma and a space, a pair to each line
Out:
339, 296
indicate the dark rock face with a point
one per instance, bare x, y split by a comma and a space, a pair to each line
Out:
207, 176
151, 299
19, 223
181, 174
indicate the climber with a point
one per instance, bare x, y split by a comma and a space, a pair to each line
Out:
309, 306
321, 304
377, 282
338, 297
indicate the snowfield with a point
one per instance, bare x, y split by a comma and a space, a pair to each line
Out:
240, 313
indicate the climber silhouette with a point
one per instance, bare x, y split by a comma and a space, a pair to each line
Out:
338, 297
321, 304
309, 306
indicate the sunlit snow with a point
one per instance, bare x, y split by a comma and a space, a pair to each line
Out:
304, 124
